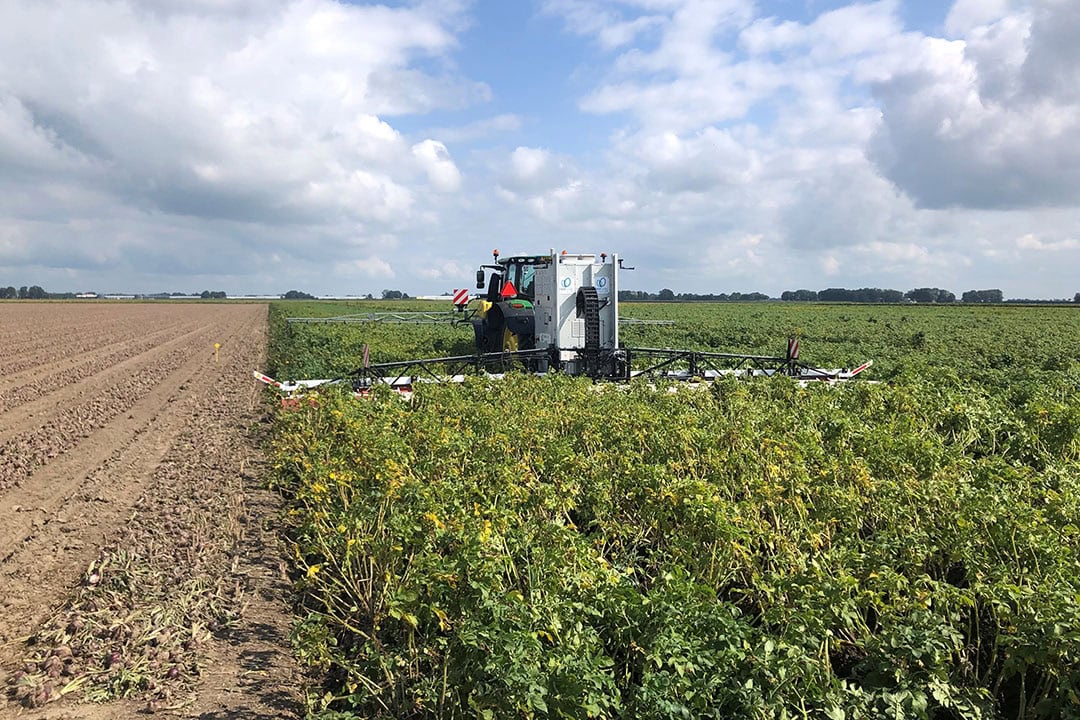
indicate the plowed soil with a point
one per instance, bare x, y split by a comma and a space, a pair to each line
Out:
131, 511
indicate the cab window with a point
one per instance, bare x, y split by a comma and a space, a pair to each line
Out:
526, 281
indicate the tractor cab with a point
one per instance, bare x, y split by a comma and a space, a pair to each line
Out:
512, 278
522, 273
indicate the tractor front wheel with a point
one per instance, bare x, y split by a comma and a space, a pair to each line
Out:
510, 341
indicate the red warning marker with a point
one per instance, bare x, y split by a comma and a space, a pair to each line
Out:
461, 297
509, 290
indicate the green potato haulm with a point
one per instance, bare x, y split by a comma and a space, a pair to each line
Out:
545, 547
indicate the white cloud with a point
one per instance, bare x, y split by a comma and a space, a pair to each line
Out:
231, 114
840, 34
370, 268
830, 265
443, 269
698, 162
586, 17
1031, 242
986, 124
968, 15
729, 259
530, 171
438, 165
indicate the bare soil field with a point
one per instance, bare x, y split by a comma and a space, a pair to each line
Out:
139, 564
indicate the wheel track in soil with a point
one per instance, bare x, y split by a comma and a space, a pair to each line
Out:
57, 521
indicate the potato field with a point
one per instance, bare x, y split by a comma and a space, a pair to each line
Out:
550, 548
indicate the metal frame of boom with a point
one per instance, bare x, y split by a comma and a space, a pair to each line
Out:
658, 363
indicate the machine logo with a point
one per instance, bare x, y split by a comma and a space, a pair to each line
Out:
601, 284
567, 282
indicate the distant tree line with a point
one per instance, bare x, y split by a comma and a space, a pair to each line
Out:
918, 295
869, 295
667, 295
859, 295
394, 295
297, 295
34, 292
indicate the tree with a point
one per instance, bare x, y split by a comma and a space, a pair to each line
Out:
213, 295
298, 295
633, 296
23, 293
36, 292
834, 295
392, 295
930, 295
8, 293
1076, 298
982, 296
799, 296
860, 295
665, 295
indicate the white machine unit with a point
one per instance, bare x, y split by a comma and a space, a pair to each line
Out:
576, 305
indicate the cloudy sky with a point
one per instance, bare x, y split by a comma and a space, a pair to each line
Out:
719, 145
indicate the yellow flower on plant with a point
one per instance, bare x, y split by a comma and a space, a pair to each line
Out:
313, 570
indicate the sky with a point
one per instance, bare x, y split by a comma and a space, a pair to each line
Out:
259, 146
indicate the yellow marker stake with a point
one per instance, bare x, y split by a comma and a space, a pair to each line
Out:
217, 346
